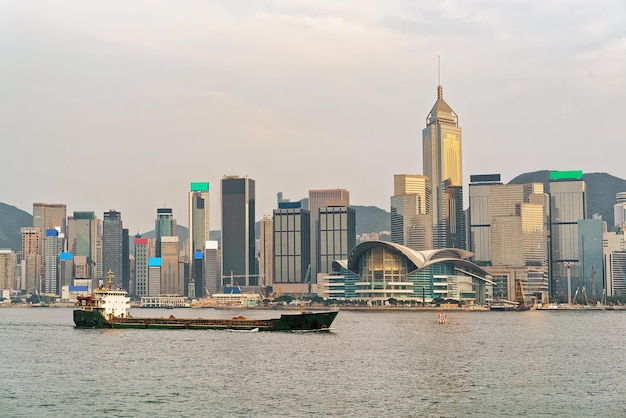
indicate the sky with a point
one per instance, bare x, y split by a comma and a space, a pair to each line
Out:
121, 104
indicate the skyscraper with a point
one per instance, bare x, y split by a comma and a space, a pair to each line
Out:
292, 255
165, 226
319, 199
479, 238
82, 240
238, 231
508, 234
199, 231
336, 235
53, 244
441, 141
590, 243
142, 253
31, 259
154, 276
568, 205
411, 224
170, 278
7, 264
266, 250
50, 216
212, 268
112, 246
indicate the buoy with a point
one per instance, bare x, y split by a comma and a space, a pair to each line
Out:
442, 318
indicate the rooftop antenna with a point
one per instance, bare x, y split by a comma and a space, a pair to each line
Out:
438, 70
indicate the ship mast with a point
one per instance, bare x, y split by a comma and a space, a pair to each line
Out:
110, 279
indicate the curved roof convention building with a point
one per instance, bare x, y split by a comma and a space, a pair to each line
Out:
380, 270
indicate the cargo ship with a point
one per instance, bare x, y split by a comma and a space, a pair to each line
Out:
110, 308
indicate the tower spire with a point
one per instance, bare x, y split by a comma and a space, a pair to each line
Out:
439, 88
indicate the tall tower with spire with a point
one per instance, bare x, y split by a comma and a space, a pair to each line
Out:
441, 141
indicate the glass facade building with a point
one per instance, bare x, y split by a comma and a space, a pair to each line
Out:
292, 238
82, 238
337, 235
377, 271
317, 200
411, 223
199, 231
238, 231
164, 226
508, 235
442, 146
568, 205
590, 242
112, 246
53, 245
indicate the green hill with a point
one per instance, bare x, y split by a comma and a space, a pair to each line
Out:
601, 191
371, 219
11, 220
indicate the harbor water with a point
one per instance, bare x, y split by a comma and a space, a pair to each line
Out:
403, 364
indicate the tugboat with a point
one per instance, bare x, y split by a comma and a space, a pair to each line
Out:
110, 308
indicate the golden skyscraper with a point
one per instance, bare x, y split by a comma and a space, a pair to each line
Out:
441, 141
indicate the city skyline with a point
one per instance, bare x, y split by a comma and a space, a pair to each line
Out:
218, 89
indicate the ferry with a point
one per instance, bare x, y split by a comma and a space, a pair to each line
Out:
110, 308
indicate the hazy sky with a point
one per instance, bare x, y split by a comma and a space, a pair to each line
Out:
121, 104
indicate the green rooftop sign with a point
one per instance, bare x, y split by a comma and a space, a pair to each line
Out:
199, 187
566, 175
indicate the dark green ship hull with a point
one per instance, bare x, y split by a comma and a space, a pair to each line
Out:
307, 321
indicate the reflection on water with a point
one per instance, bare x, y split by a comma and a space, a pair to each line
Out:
374, 363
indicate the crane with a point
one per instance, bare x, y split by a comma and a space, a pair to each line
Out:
585, 295
573, 302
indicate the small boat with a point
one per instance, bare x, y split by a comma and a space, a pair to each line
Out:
442, 318
110, 308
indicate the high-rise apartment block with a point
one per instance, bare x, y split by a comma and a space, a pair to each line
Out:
411, 223
441, 140
238, 231
53, 245
142, 254
199, 232
292, 254
8, 259
31, 259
